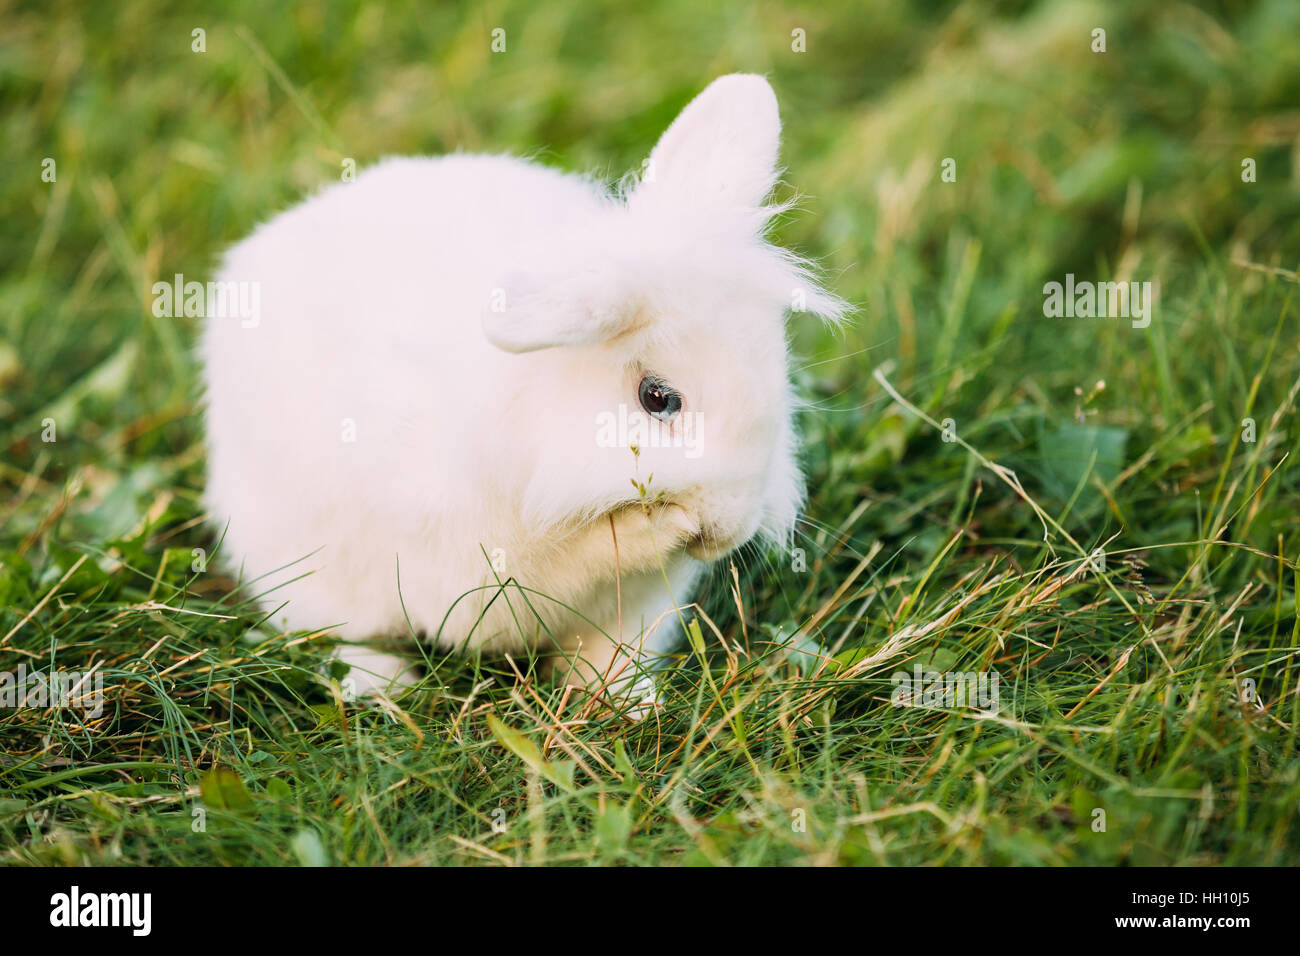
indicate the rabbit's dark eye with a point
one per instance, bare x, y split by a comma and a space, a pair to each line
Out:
659, 398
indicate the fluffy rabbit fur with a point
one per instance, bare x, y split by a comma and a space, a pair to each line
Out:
421, 394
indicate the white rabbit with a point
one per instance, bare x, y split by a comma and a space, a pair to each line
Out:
452, 359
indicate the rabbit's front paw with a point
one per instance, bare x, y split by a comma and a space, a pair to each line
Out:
372, 672
641, 698
646, 533
613, 673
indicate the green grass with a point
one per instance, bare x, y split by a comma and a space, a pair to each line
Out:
1121, 689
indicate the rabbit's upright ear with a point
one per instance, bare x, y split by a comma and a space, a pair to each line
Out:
721, 148
589, 307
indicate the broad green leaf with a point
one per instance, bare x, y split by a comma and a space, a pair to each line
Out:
223, 790
528, 752
1069, 450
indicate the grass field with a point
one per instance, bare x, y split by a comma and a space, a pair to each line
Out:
967, 454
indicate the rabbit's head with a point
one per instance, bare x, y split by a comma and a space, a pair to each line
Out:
654, 335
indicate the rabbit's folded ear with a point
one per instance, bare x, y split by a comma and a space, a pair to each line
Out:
721, 148
585, 309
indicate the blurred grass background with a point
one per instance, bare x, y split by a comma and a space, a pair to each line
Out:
1123, 164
